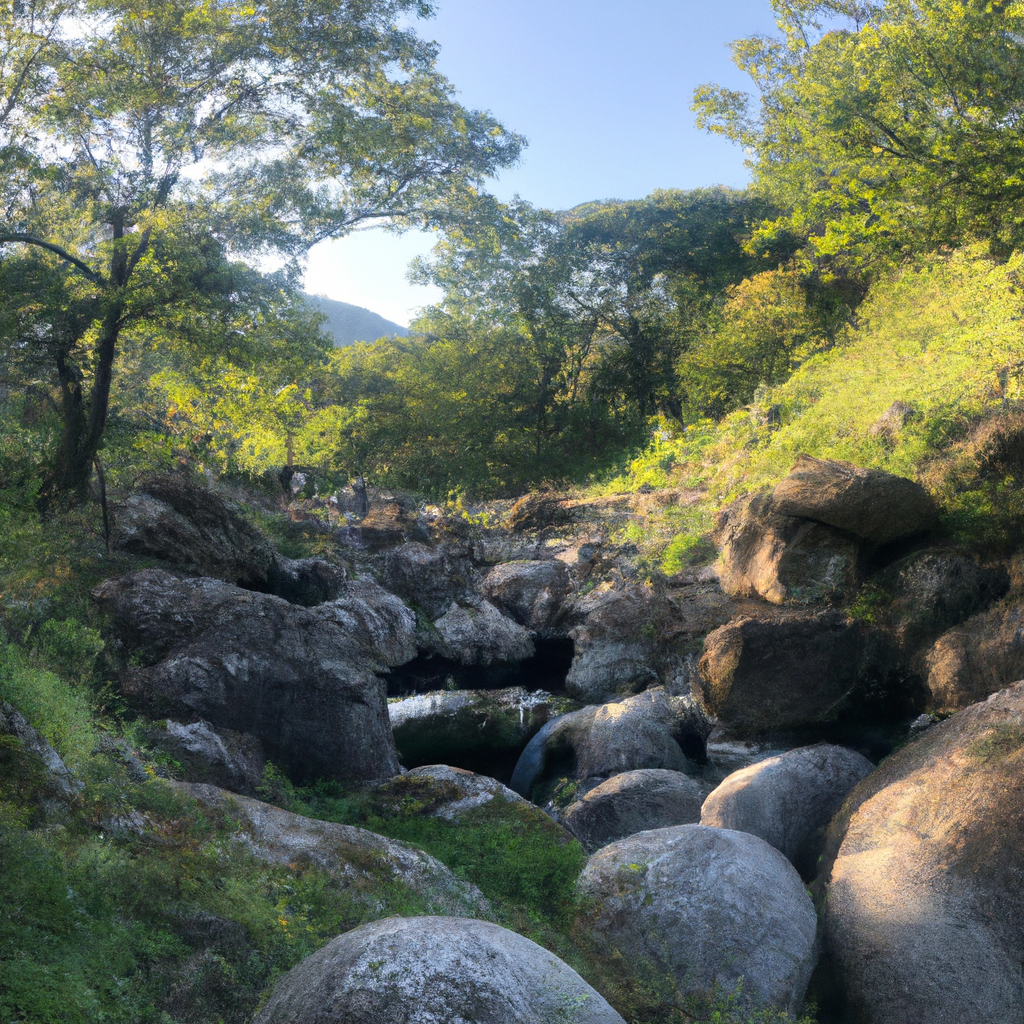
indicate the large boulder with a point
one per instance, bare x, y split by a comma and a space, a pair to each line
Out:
477, 635
531, 592
606, 669
788, 800
482, 729
649, 730
710, 908
255, 664
634, 802
797, 672
976, 658
380, 626
345, 852
428, 578
923, 881
462, 791
876, 506
425, 970
231, 760
783, 559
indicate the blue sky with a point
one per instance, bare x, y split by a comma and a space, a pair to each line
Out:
602, 91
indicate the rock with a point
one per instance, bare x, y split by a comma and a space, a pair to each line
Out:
923, 882
345, 852
708, 907
483, 729
783, 559
608, 669
892, 421
633, 802
428, 970
877, 506
56, 782
385, 525
478, 635
231, 760
650, 730
463, 790
788, 800
255, 664
429, 579
798, 671
376, 622
531, 593
307, 581
976, 659
539, 512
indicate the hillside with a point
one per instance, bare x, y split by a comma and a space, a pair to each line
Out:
349, 324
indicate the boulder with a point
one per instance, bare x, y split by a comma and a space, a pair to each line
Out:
710, 908
976, 658
234, 761
634, 802
478, 635
923, 884
427, 578
876, 506
380, 626
607, 669
783, 559
788, 800
482, 729
254, 663
798, 671
650, 730
531, 592
352, 856
539, 511
424, 970
463, 790
56, 784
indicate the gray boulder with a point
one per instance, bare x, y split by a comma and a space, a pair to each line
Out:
876, 506
352, 856
633, 802
607, 669
788, 800
231, 760
464, 791
708, 907
531, 592
649, 730
255, 664
922, 894
377, 623
428, 578
428, 970
56, 783
478, 635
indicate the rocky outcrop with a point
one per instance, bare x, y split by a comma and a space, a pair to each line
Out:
422, 970
478, 728
788, 800
530, 592
255, 664
708, 907
55, 783
923, 901
650, 730
801, 670
279, 837
539, 511
878, 507
477, 635
783, 559
976, 659
231, 760
376, 623
427, 578
634, 802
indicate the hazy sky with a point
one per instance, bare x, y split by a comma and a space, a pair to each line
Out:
600, 88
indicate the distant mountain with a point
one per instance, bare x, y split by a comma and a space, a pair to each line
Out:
350, 323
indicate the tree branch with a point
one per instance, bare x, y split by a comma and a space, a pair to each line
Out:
62, 254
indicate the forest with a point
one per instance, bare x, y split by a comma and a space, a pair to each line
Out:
165, 169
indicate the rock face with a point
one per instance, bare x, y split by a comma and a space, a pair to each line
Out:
428, 578
878, 507
976, 659
377, 623
478, 728
530, 592
650, 730
255, 664
763, 675
633, 802
924, 910
788, 800
783, 559
478, 635
282, 838
57, 783
708, 907
433, 970
231, 760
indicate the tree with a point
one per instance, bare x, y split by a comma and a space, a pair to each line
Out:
884, 127
166, 141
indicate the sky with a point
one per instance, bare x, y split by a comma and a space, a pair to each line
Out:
602, 91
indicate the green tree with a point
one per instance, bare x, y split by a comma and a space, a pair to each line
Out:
168, 140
